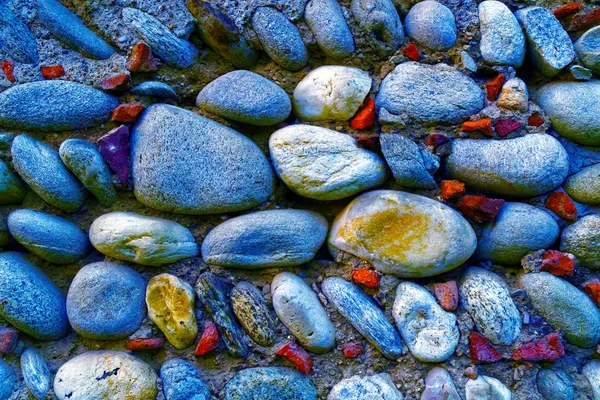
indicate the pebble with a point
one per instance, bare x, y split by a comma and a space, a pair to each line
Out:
141, 239
181, 381
300, 310
171, 302
9, 380
16, 40
564, 307
439, 385
244, 96
114, 147
582, 239
227, 171
518, 229
588, 49
403, 234
486, 388
373, 387
364, 315
485, 296
432, 25
155, 89
548, 45
171, 49
555, 384
502, 41
86, 163
68, 28
592, 372
12, 190
331, 92
36, 373
106, 301
251, 310
280, 38
380, 22
214, 294
521, 167
428, 94
430, 332
514, 95
584, 186
105, 374
468, 62
265, 239
327, 23
412, 166
580, 73
65, 106
31, 302
49, 237
300, 153
219, 32
269, 383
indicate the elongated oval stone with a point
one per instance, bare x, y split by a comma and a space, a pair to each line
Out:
584, 186
381, 24
8, 379
36, 373
502, 41
12, 190
16, 40
364, 316
582, 239
403, 234
269, 383
327, 23
251, 310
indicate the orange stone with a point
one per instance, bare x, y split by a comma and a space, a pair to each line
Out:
297, 355
478, 208
535, 120
436, 139
141, 59
365, 116
126, 113
117, 83
483, 125
52, 71
366, 277
558, 263
568, 9
450, 189
585, 21
493, 86
561, 204
144, 344
412, 52
592, 288
8, 68
447, 295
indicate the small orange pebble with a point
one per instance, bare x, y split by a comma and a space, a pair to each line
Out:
585, 21
117, 83
412, 52
592, 288
450, 189
8, 68
561, 204
365, 116
353, 350
447, 295
127, 112
144, 344
141, 59
479, 208
209, 340
366, 277
52, 71
493, 86
297, 355
558, 263
483, 125
567, 9
535, 120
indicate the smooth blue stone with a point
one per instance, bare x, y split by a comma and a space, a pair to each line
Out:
36, 373
269, 383
432, 25
16, 40
181, 381
155, 89
326, 21
8, 380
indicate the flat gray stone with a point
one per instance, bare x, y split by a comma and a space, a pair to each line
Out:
584, 186
439, 385
372, 387
588, 49
16, 40
269, 383
328, 25
582, 239
381, 23
412, 166
431, 24
555, 384
12, 190
502, 41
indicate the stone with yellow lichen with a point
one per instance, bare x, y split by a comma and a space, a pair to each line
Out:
403, 234
170, 303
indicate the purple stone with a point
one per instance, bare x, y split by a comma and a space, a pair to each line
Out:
114, 147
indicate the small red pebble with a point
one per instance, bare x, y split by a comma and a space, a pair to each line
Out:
144, 344
535, 120
447, 295
412, 52
353, 350
117, 83
366, 277
592, 288
558, 263
561, 204
365, 116
585, 21
209, 340
141, 59
450, 189
436, 139
548, 348
52, 71
478, 208
8, 68
483, 125
297, 355
369, 142
8, 340
482, 350
493, 86
127, 112
568, 9
506, 126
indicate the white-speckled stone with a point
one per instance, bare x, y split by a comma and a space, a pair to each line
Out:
502, 41
591, 371
486, 388
373, 387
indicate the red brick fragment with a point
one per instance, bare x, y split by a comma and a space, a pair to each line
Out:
506, 126
117, 83
535, 120
141, 59
548, 348
567, 9
8, 340
365, 116
209, 340
482, 351
366, 277
558, 263
561, 204
450, 189
585, 21
479, 208
483, 125
52, 71
369, 142
297, 355
412, 52
8, 68
493, 86
127, 112
144, 344
436, 139
447, 295
592, 288
353, 350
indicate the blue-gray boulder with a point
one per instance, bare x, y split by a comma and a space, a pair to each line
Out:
269, 383
380, 22
327, 23
582, 239
588, 49
555, 384
155, 89
431, 24
12, 190
16, 40
502, 41
412, 166
8, 379
36, 373
181, 381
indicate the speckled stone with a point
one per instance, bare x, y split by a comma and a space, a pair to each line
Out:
323, 164
588, 49
181, 381
280, 38
105, 374
155, 89
220, 170
373, 387
439, 385
412, 166
300, 310
428, 237
331, 92
514, 95
366, 317
31, 301
428, 94
485, 296
486, 388
431, 24
591, 371
584, 186
16, 40
9, 380
582, 239
502, 41
251, 310
49, 237
521, 167
327, 23
140, 239
555, 384
244, 96
12, 190
68, 28
381, 24
49, 106
265, 239
36, 373
269, 383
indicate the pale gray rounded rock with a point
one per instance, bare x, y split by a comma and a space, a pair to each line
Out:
555, 384
16, 40
518, 229
218, 170
502, 41
582, 239
12, 190
8, 379
485, 296
327, 23
155, 89
432, 25
486, 388
564, 307
591, 371
430, 332
371, 387
323, 164
412, 166
300, 310
269, 383
584, 186
588, 49
439, 385
265, 239
521, 167
244, 96
428, 94
181, 381
36, 373
381, 23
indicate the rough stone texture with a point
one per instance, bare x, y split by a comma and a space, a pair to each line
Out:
520, 167
181, 381
555, 384
514, 95
486, 388
269, 383
439, 385
431, 24
36, 373
582, 239
327, 23
592, 372
16, 40
412, 166
588, 49
502, 41
251, 310
373, 387
12, 191
584, 186
427, 94
381, 23
8, 379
